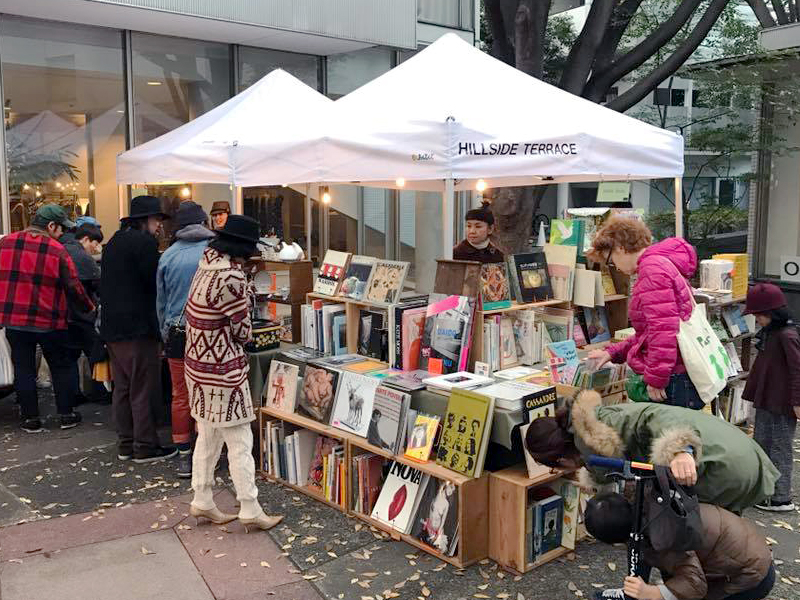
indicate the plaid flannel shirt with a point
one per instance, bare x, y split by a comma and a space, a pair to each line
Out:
37, 280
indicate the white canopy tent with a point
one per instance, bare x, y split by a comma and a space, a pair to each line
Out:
447, 117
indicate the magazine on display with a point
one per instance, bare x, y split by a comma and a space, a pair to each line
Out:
412, 327
461, 380
465, 432
448, 332
495, 291
357, 276
436, 521
400, 497
408, 381
387, 422
387, 281
597, 324
530, 275
355, 397
318, 392
333, 268
422, 437
373, 334
281, 389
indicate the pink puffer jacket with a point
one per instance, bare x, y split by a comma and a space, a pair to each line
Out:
660, 299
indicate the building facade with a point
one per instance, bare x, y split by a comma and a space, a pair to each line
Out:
84, 80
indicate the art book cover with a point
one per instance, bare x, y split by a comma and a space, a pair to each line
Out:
354, 400
571, 494
508, 343
495, 291
318, 393
281, 389
331, 272
400, 497
460, 380
563, 361
365, 366
316, 472
561, 262
541, 403
357, 276
436, 521
597, 324
413, 328
448, 328
339, 345
549, 520
409, 381
567, 232
371, 324
387, 281
533, 277
388, 417
465, 432
422, 437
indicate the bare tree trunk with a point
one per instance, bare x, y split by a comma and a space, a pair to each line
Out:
502, 46
780, 11
530, 24
513, 210
581, 55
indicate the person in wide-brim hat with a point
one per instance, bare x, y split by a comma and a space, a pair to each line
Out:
146, 206
218, 317
220, 211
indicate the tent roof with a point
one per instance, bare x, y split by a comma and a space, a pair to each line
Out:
277, 112
396, 126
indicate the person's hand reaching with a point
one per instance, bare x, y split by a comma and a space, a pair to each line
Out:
635, 587
656, 394
684, 469
599, 358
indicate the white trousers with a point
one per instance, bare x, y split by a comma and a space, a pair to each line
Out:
239, 440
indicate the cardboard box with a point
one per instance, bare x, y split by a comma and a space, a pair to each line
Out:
612, 393
740, 273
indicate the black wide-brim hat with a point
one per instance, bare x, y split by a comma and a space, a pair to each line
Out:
241, 228
146, 206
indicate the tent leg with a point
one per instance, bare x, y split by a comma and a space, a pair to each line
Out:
307, 208
448, 209
237, 198
122, 200
679, 207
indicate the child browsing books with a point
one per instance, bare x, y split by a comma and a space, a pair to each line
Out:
774, 386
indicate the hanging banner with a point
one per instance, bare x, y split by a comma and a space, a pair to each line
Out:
613, 191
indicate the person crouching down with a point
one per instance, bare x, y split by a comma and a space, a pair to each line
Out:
218, 318
733, 561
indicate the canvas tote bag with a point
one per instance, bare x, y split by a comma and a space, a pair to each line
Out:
6, 366
703, 355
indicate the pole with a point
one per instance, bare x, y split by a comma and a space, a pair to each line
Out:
307, 208
562, 200
122, 201
679, 207
237, 195
448, 208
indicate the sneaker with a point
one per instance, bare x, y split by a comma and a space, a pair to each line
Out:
125, 456
33, 425
185, 464
154, 455
771, 506
610, 594
71, 420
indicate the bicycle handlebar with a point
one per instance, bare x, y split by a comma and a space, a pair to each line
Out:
618, 464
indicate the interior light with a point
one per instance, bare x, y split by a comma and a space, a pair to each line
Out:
480, 185
38, 194
326, 198
58, 185
26, 187
186, 192
83, 203
153, 83
92, 187
400, 182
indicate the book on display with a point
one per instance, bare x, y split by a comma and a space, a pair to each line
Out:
387, 423
281, 389
465, 433
355, 397
331, 273
436, 520
357, 276
387, 281
400, 497
318, 393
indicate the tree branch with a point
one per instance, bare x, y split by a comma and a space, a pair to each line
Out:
762, 13
795, 10
673, 62
581, 56
501, 41
643, 51
530, 24
780, 11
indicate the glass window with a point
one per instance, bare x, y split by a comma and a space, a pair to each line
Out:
375, 221
254, 63
64, 117
727, 192
439, 12
661, 96
281, 212
351, 70
420, 232
678, 97
174, 81
343, 218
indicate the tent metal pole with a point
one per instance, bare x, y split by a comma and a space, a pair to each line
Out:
307, 208
679, 207
448, 208
121, 199
238, 200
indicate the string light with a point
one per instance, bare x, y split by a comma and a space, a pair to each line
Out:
326, 198
26, 187
186, 192
38, 194
92, 187
480, 185
400, 182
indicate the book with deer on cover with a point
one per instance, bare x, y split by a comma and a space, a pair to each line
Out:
354, 400
281, 390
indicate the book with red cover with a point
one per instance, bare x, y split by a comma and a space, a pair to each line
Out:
413, 326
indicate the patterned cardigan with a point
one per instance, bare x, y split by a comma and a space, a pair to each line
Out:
217, 326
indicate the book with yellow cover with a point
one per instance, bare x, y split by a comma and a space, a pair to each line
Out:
740, 272
422, 437
366, 366
465, 433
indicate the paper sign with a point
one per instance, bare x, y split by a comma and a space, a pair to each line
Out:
435, 366
481, 368
614, 191
790, 268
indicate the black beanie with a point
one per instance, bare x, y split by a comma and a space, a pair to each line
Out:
484, 213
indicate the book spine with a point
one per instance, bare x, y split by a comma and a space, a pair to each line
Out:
398, 338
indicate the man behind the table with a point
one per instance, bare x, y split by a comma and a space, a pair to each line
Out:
477, 246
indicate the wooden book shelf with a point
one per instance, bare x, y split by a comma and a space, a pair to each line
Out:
473, 494
508, 497
301, 281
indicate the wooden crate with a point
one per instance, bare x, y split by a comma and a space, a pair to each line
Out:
508, 496
613, 393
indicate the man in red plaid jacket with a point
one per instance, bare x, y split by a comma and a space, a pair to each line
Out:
37, 281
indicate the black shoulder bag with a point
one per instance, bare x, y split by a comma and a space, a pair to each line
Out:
673, 515
175, 346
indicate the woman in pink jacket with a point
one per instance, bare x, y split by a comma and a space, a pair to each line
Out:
660, 299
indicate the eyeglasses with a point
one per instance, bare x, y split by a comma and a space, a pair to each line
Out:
609, 261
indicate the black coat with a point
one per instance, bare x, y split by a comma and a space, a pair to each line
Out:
128, 287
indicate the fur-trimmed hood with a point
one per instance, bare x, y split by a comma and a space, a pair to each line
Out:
604, 440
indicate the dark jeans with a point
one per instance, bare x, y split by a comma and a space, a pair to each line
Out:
758, 592
681, 392
136, 370
62, 368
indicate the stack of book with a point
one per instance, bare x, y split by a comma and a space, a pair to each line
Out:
367, 481
324, 327
551, 518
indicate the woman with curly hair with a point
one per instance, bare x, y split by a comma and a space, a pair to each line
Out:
661, 298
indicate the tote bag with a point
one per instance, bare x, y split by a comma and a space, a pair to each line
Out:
6, 366
703, 355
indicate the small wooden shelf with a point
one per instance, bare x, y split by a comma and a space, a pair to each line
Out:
546, 558
303, 489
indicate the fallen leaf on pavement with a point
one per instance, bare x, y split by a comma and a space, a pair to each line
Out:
145, 551
265, 564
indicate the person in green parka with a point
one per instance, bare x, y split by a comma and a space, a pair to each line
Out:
726, 467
